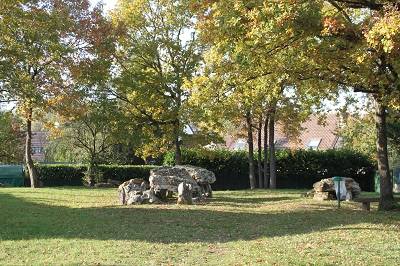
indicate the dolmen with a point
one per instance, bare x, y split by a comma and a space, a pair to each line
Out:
190, 182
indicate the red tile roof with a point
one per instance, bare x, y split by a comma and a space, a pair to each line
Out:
323, 134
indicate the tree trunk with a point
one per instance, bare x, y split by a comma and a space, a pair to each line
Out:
272, 155
91, 171
386, 183
259, 153
33, 176
178, 151
266, 159
251, 150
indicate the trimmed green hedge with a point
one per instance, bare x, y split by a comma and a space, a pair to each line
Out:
298, 169
71, 175
60, 175
295, 169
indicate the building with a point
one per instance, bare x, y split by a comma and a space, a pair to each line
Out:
39, 143
314, 135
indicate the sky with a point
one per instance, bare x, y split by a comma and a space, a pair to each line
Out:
108, 4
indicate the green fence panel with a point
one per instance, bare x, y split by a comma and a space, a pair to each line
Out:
395, 176
12, 175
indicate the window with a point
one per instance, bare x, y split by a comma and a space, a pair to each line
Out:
313, 144
37, 150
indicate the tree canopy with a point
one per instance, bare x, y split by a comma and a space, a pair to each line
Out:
155, 68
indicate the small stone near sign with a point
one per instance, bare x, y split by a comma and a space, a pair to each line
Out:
325, 189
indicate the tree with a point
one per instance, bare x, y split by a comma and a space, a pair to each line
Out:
246, 67
358, 133
357, 48
157, 53
11, 138
44, 46
91, 134
339, 45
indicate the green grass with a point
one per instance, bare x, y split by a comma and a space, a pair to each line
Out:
80, 226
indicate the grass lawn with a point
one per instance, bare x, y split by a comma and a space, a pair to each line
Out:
80, 226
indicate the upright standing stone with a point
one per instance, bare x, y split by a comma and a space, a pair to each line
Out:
185, 193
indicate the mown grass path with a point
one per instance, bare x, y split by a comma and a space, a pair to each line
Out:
70, 226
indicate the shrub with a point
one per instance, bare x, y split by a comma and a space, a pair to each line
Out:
297, 169
126, 172
230, 167
302, 168
61, 175
72, 175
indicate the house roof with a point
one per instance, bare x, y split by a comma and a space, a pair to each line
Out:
325, 134
315, 135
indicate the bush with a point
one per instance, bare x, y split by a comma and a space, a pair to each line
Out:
126, 172
230, 168
72, 175
302, 168
298, 169
295, 169
61, 175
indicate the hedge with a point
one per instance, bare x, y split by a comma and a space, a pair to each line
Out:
295, 169
298, 169
71, 175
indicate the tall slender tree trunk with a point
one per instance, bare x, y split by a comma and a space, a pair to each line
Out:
272, 155
386, 183
266, 157
33, 176
92, 171
250, 142
259, 154
178, 150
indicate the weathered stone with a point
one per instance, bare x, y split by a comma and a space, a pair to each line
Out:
325, 185
130, 189
135, 199
164, 181
328, 186
133, 184
206, 190
122, 197
308, 194
169, 178
145, 185
150, 196
185, 193
353, 186
349, 196
200, 175
162, 194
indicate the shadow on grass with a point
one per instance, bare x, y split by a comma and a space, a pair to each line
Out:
246, 202
23, 220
